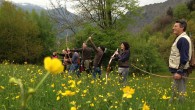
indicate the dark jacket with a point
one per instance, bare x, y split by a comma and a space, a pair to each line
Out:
85, 53
98, 55
123, 58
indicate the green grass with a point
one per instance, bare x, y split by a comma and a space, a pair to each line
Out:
89, 94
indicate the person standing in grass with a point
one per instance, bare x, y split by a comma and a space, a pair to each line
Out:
123, 61
86, 53
75, 66
99, 52
179, 60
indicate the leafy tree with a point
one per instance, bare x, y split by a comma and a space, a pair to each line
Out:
23, 38
106, 14
46, 31
181, 11
19, 35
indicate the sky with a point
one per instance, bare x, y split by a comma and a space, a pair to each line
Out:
45, 3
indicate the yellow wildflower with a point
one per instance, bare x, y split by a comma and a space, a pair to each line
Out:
63, 85
92, 105
79, 82
39, 71
128, 92
53, 66
73, 108
145, 107
17, 97
165, 97
68, 93
84, 91
2, 87
73, 103
92, 82
53, 85
58, 98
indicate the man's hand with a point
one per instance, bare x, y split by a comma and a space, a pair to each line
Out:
176, 76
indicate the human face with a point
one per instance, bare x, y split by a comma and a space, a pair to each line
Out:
177, 30
122, 47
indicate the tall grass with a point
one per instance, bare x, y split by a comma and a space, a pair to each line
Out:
89, 94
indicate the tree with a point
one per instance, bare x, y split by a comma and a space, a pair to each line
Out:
106, 14
181, 11
28, 37
19, 36
46, 31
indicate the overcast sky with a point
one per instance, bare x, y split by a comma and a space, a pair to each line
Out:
45, 3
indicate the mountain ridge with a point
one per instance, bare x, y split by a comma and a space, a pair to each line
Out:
152, 11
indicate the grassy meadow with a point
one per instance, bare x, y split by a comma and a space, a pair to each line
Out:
67, 92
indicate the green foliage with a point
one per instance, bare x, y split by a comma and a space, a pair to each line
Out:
47, 32
108, 14
27, 37
181, 11
19, 35
90, 94
110, 39
145, 56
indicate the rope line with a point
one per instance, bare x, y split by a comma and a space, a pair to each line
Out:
162, 76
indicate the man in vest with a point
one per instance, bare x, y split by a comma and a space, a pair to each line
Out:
179, 60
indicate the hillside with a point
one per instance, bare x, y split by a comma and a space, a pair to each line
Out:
150, 12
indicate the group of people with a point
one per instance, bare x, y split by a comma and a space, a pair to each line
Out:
76, 63
179, 58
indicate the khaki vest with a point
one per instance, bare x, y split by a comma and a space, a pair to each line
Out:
174, 58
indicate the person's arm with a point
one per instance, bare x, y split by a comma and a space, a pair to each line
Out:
76, 50
93, 45
183, 46
125, 56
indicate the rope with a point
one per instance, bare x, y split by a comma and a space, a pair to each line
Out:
162, 76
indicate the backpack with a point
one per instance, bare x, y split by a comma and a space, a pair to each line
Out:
192, 60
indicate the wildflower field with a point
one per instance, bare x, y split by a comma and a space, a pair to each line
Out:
67, 92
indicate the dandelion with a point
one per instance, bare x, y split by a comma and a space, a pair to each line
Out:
145, 107
53, 66
128, 92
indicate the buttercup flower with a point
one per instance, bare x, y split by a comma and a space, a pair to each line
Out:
73, 108
165, 97
145, 107
53, 66
128, 92
68, 93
